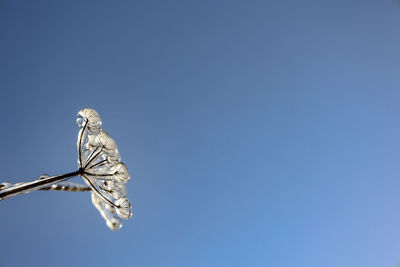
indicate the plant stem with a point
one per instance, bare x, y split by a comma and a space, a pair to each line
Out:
28, 187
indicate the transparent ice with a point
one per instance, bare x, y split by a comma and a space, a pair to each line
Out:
100, 166
103, 172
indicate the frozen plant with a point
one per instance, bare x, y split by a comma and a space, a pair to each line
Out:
99, 165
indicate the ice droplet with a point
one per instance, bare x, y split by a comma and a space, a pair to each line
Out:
124, 208
80, 121
114, 223
106, 141
93, 120
119, 191
4, 185
121, 173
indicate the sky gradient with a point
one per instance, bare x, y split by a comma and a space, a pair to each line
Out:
257, 133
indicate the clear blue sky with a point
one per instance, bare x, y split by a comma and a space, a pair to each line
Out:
257, 133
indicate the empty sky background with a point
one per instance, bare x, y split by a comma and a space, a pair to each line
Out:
257, 133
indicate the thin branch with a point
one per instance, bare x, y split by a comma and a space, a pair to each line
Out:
23, 188
89, 158
87, 164
67, 187
100, 174
80, 143
97, 164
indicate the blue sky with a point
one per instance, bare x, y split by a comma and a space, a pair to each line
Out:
257, 133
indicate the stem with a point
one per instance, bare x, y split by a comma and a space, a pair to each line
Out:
28, 187
67, 187
90, 161
80, 144
97, 164
97, 192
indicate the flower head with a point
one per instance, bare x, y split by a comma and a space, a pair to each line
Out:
101, 168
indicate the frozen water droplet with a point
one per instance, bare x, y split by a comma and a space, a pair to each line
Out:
92, 141
95, 200
119, 191
93, 118
44, 176
106, 141
124, 208
90, 114
114, 224
121, 173
110, 208
4, 185
113, 157
80, 121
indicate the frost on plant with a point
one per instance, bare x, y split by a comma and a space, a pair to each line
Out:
102, 169
100, 166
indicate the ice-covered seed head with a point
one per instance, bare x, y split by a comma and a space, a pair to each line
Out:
102, 170
121, 173
124, 208
106, 142
92, 118
117, 190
